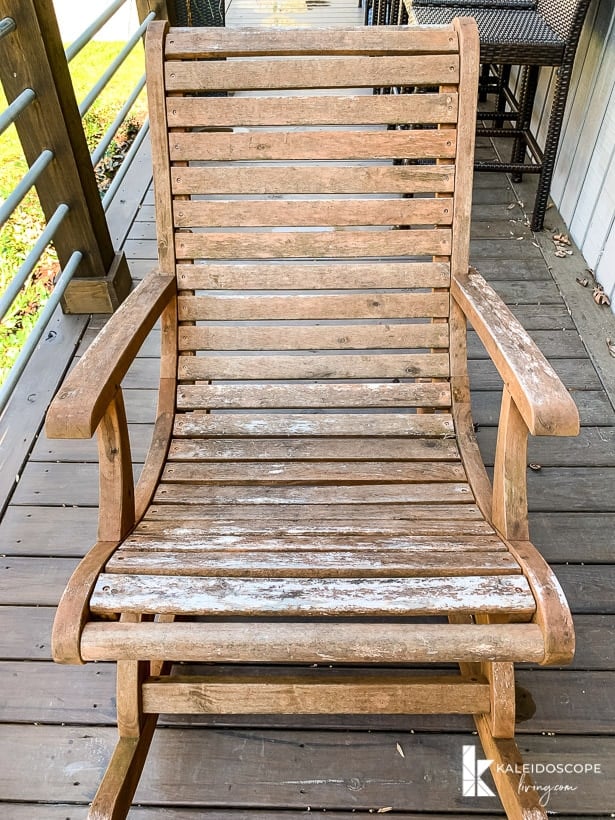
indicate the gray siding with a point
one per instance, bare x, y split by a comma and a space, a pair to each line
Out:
584, 182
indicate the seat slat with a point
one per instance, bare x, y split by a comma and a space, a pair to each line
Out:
419, 519
312, 306
313, 145
317, 179
435, 493
323, 72
383, 366
304, 449
428, 109
287, 396
255, 425
318, 244
181, 538
308, 563
189, 43
311, 596
313, 213
321, 472
338, 337
321, 276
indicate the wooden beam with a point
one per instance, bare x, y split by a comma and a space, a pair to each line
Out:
33, 56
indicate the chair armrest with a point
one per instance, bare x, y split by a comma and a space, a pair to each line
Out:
81, 403
542, 400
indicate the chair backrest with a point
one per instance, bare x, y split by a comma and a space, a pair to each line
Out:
311, 222
566, 17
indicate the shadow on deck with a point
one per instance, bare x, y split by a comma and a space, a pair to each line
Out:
53, 753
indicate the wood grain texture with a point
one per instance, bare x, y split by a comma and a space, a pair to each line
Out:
86, 393
187, 112
316, 276
308, 145
323, 179
323, 72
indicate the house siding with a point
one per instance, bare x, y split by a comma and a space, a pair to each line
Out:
584, 180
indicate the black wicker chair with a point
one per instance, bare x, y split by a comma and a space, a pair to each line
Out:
547, 35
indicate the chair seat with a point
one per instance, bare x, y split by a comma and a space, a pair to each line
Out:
506, 35
221, 539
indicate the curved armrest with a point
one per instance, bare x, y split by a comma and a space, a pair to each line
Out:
87, 391
542, 400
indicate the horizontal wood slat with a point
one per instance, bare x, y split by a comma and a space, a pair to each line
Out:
428, 109
445, 493
317, 179
194, 695
323, 72
311, 596
313, 642
323, 276
313, 564
321, 472
190, 43
313, 213
338, 337
173, 538
231, 396
375, 366
332, 244
313, 145
308, 424
329, 306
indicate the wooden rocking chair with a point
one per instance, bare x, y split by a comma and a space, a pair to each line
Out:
313, 465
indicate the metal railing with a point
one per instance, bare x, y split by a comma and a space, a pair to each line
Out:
75, 252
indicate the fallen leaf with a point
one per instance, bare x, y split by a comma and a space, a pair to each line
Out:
561, 254
583, 282
511, 206
611, 347
600, 297
384, 810
535, 467
400, 750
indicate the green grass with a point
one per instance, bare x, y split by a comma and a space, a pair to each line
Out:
26, 224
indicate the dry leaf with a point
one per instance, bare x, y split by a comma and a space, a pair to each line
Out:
561, 254
610, 347
583, 282
535, 467
384, 810
600, 297
511, 206
562, 238
400, 750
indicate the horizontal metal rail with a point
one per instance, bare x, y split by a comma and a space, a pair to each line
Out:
117, 122
123, 169
19, 104
95, 91
24, 185
37, 331
28, 265
87, 34
7, 25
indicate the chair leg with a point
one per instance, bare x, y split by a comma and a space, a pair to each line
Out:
562, 85
114, 796
529, 84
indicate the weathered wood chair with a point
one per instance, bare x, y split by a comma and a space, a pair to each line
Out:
313, 464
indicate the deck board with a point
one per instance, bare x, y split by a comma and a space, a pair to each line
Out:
54, 740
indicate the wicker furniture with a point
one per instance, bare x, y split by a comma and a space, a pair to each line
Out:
545, 36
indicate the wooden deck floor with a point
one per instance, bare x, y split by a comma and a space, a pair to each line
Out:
57, 722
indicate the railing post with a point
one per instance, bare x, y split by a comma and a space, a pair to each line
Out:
144, 7
33, 57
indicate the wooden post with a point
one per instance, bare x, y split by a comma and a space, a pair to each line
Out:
33, 56
144, 7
